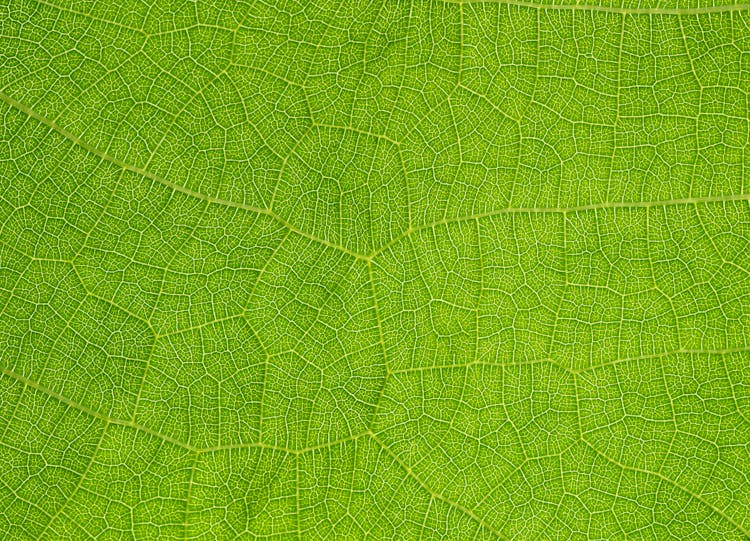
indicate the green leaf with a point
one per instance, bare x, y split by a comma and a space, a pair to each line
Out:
388, 269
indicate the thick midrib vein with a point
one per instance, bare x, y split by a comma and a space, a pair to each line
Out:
155, 433
564, 210
91, 412
511, 3
608, 9
397, 238
172, 185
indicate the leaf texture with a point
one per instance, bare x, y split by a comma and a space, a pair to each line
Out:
374, 269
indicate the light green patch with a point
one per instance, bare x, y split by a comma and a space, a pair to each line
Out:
391, 270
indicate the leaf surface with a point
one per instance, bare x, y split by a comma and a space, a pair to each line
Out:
374, 269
